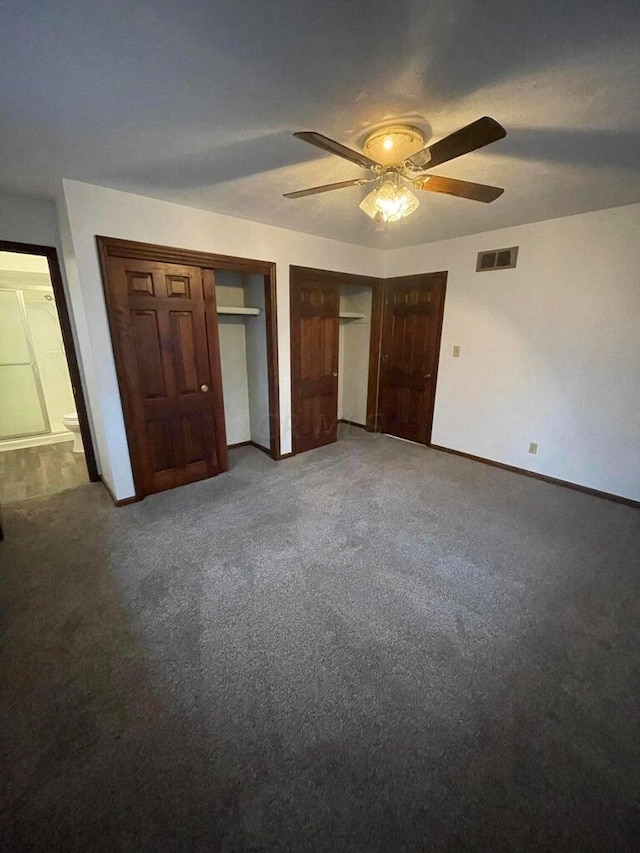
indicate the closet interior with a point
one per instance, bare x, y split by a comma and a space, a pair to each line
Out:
242, 332
335, 332
354, 339
195, 343
365, 352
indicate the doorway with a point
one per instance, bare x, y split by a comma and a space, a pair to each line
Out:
335, 338
45, 443
175, 381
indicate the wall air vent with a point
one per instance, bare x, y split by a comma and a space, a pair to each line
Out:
497, 259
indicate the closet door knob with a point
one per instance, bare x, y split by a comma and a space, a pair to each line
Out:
335, 373
204, 387
427, 376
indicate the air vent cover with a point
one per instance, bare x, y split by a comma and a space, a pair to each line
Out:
497, 259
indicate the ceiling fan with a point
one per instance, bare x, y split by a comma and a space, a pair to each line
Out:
395, 154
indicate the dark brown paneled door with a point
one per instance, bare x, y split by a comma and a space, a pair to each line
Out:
314, 350
169, 371
411, 329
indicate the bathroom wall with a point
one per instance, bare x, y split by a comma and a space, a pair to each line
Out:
28, 275
50, 356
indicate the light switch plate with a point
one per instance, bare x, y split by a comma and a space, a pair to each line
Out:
456, 352
533, 447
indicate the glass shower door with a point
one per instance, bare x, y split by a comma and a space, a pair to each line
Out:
22, 406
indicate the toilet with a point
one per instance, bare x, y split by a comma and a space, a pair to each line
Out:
71, 422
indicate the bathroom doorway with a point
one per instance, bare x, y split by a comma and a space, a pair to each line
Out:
45, 443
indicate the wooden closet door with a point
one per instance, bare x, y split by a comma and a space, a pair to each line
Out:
411, 329
167, 355
314, 353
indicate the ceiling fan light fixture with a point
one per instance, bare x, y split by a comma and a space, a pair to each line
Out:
396, 153
389, 202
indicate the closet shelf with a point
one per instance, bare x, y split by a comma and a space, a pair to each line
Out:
228, 309
351, 315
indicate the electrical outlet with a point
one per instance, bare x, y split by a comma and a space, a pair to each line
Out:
456, 352
533, 447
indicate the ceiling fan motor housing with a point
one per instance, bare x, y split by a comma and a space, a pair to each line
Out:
393, 144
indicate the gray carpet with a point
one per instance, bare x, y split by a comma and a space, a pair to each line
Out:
369, 647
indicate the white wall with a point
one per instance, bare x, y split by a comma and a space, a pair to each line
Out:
550, 351
92, 210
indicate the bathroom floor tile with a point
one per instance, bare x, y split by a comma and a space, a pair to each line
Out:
45, 470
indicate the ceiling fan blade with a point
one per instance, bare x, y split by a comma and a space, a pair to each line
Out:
334, 147
327, 187
462, 189
469, 138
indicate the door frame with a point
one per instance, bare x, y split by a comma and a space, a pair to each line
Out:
109, 247
298, 276
71, 355
408, 279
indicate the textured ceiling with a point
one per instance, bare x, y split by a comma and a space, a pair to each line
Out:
195, 102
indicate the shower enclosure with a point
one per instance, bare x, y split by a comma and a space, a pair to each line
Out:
35, 389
